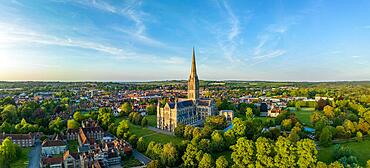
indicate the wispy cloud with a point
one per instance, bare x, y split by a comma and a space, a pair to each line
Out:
131, 10
13, 34
229, 37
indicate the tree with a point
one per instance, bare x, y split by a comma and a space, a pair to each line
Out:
179, 130
206, 161
9, 114
243, 152
150, 109
72, 124
307, 152
249, 113
329, 111
105, 117
359, 136
285, 153
197, 133
216, 122
217, 141
264, 153
169, 155
325, 137
122, 128
78, 116
349, 126
188, 132
133, 140
141, 147
316, 116
368, 164
144, 122
7, 151
56, 125
221, 162
153, 164
126, 108
286, 124
239, 127
189, 156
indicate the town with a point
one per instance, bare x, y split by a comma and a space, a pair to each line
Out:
167, 123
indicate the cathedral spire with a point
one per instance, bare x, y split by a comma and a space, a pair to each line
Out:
193, 82
193, 65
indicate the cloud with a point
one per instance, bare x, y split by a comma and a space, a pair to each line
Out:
173, 60
14, 35
228, 38
366, 27
234, 22
130, 11
271, 54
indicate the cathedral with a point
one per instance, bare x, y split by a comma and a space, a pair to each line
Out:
191, 111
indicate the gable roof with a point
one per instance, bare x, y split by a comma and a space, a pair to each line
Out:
49, 143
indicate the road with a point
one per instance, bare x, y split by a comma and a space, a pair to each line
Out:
140, 157
35, 155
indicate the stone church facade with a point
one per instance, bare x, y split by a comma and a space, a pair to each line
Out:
191, 111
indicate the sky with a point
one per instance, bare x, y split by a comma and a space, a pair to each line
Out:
123, 40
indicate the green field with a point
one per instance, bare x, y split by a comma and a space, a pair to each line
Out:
152, 120
303, 115
23, 160
359, 149
150, 135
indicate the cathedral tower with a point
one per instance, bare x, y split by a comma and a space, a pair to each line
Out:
193, 82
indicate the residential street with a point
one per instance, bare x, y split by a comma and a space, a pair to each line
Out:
34, 155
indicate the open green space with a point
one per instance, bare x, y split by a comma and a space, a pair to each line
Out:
150, 135
152, 120
303, 114
23, 160
265, 118
359, 149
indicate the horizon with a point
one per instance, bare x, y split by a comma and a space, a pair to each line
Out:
144, 41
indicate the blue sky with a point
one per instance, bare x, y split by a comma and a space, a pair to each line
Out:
76, 40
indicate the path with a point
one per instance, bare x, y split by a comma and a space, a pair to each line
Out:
140, 157
160, 131
35, 155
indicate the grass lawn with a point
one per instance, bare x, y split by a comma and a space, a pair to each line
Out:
359, 149
265, 118
23, 160
152, 120
150, 135
303, 115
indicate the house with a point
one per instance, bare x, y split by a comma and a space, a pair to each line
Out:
23, 140
53, 147
274, 111
71, 160
229, 114
51, 162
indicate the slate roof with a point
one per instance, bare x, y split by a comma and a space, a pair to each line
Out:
48, 143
